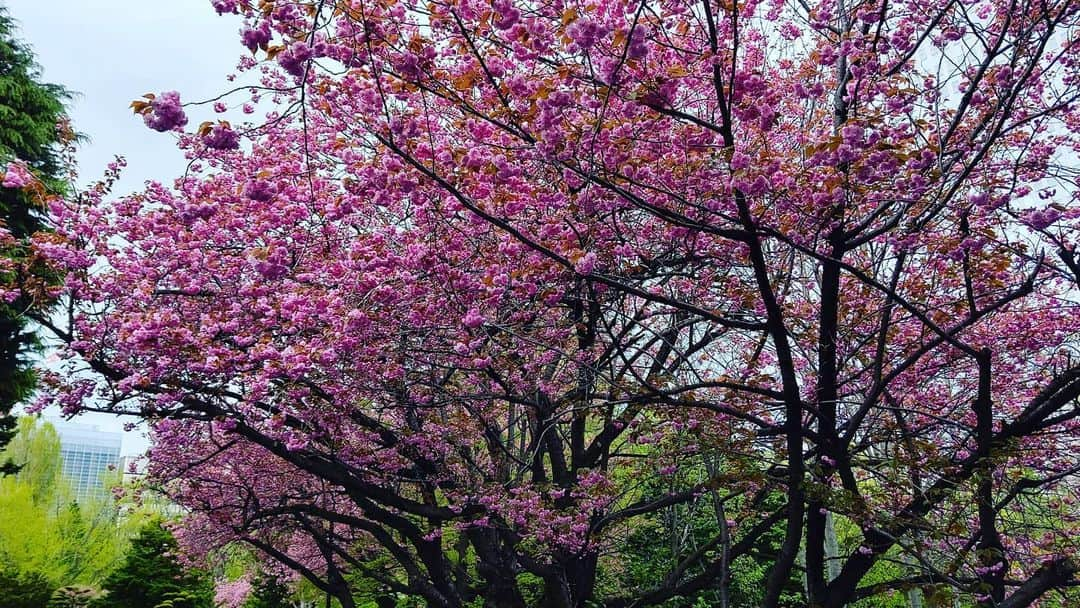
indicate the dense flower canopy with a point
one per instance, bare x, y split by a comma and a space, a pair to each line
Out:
501, 279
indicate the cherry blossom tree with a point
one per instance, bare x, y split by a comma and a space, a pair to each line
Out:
493, 283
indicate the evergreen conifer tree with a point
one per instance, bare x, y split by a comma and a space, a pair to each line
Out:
30, 111
151, 576
269, 592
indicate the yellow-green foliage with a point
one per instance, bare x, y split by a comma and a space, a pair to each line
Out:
42, 529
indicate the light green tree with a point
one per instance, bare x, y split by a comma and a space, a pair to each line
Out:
35, 449
44, 533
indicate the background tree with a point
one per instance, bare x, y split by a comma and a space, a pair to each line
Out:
23, 589
72, 597
152, 576
31, 113
45, 536
269, 591
493, 273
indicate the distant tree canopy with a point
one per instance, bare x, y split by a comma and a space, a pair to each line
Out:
30, 112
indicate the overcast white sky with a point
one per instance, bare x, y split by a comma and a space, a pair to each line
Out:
110, 52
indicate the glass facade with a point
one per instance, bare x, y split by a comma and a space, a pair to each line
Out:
88, 454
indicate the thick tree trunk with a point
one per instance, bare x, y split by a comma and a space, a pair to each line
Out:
556, 593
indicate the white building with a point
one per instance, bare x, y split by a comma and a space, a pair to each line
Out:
89, 454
